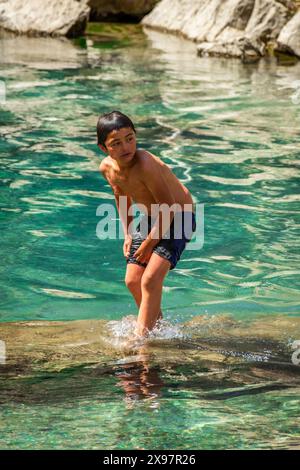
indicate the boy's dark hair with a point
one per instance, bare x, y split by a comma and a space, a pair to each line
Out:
109, 122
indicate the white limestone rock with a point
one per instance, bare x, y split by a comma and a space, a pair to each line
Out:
44, 17
235, 28
289, 37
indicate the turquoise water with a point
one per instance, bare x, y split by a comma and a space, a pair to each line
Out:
230, 132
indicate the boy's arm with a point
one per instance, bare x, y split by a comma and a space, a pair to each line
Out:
153, 178
123, 205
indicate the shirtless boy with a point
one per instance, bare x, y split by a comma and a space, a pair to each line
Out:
143, 179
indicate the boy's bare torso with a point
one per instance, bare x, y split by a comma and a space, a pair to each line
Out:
135, 181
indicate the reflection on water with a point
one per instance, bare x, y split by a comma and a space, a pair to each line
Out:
218, 372
140, 381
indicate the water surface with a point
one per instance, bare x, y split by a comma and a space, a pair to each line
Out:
230, 132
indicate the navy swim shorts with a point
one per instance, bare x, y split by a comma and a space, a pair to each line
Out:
173, 242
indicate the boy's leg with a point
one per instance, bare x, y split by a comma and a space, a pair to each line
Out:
133, 278
151, 293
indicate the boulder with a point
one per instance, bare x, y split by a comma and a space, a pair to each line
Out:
120, 9
235, 28
289, 37
36, 17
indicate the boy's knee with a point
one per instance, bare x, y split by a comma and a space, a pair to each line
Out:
132, 282
150, 281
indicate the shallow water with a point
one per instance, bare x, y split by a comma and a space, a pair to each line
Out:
209, 383
219, 373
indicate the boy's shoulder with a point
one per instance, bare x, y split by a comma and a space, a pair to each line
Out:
147, 160
104, 165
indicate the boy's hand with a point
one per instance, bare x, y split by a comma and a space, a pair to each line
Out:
144, 252
127, 245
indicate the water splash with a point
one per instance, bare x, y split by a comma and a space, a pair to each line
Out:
122, 329
164, 329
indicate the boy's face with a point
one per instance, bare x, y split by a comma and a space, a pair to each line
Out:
120, 145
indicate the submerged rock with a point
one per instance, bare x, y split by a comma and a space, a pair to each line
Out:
56, 345
233, 28
34, 18
217, 358
42, 53
289, 38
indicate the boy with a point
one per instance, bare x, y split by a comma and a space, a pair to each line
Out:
142, 178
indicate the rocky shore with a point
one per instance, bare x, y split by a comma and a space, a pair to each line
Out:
246, 29
66, 17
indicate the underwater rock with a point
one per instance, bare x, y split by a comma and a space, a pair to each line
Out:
55, 345
228, 28
43, 53
214, 358
35, 18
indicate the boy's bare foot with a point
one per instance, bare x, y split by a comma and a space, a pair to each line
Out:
140, 332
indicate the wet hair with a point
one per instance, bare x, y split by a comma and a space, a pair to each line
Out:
109, 122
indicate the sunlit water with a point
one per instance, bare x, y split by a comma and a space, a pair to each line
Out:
217, 373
